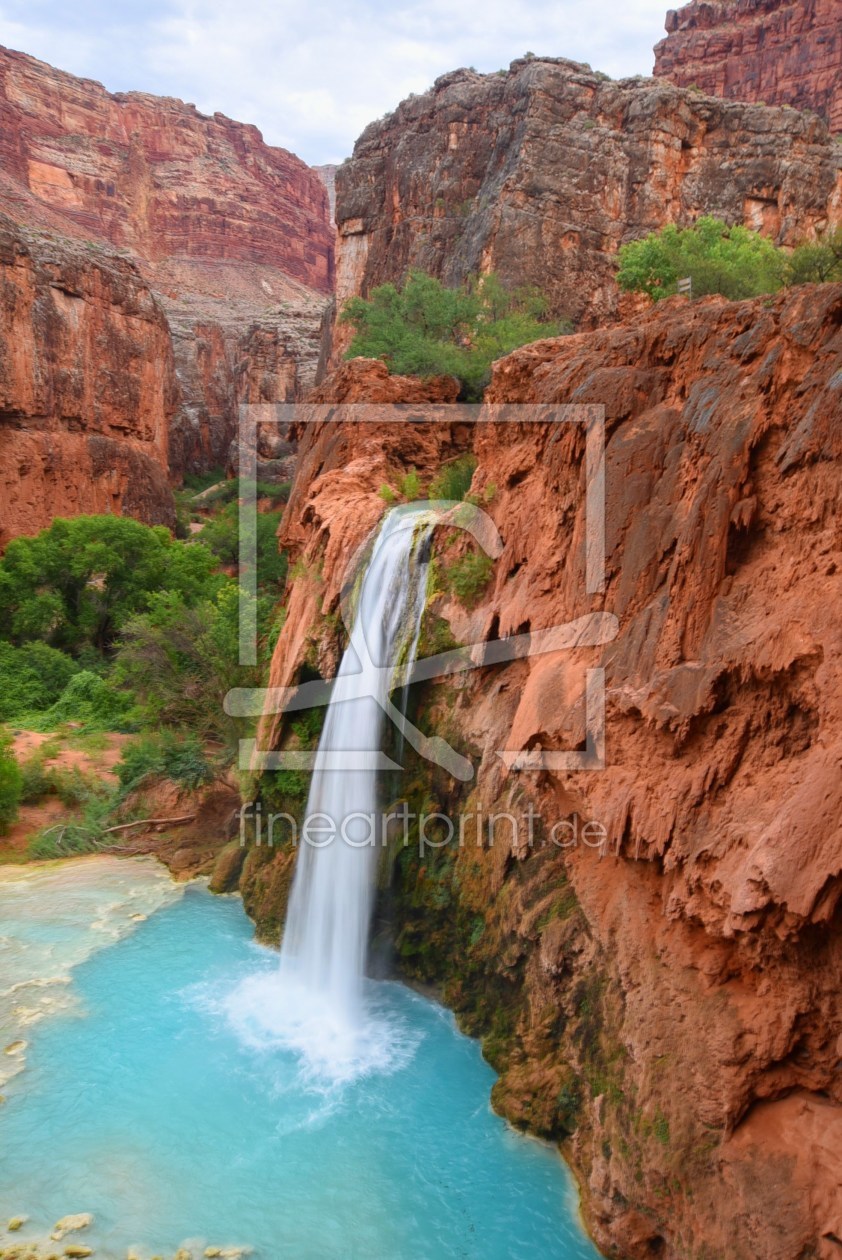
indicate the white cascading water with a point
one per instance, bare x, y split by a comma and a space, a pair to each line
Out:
315, 1005
326, 935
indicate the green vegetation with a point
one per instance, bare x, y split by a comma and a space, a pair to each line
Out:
110, 625
817, 262
468, 577
76, 584
733, 261
427, 329
179, 661
178, 756
221, 535
11, 785
32, 677
452, 483
454, 479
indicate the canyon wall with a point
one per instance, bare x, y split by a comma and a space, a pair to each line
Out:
542, 172
783, 52
230, 238
87, 385
664, 1002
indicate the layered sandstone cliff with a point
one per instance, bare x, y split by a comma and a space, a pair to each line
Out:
542, 172
87, 385
230, 235
665, 1004
783, 52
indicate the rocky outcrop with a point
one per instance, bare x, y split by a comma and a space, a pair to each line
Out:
542, 172
782, 52
230, 235
659, 994
87, 386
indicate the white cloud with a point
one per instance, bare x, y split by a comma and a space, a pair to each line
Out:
311, 76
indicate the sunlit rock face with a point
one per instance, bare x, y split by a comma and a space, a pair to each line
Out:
541, 172
666, 1004
783, 52
228, 239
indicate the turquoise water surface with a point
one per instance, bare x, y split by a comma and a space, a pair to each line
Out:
152, 1101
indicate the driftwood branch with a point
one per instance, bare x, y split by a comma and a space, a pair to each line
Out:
150, 822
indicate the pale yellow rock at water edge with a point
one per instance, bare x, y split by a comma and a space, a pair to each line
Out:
69, 1224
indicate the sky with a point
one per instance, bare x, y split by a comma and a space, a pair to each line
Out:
312, 74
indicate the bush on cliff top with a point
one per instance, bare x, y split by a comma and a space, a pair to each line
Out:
732, 261
427, 329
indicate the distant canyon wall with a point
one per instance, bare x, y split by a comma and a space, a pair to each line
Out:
228, 238
782, 52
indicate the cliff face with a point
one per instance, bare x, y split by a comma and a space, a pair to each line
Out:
542, 173
87, 386
230, 235
783, 52
157, 178
666, 1003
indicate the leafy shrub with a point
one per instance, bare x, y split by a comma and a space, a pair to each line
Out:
91, 701
733, 261
454, 478
427, 329
179, 662
11, 784
34, 781
76, 584
71, 786
32, 677
410, 485
165, 755
86, 834
468, 577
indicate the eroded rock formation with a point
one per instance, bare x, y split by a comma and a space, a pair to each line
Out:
664, 1001
783, 52
87, 386
230, 235
542, 172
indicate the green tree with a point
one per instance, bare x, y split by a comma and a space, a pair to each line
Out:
179, 661
11, 784
221, 535
733, 261
817, 262
428, 329
77, 583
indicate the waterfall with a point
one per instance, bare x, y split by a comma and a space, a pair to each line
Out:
323, 953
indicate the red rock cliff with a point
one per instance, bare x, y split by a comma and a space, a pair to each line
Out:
87, 386
542, 172
783, 52
157, 178
665, 1004
230, 235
